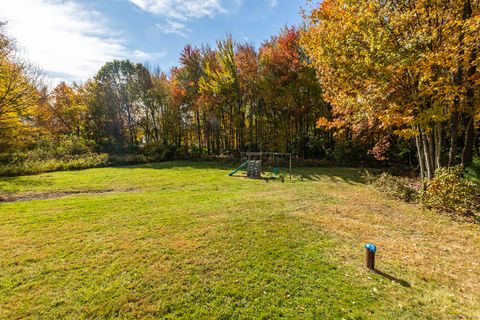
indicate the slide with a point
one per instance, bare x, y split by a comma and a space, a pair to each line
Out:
243, 165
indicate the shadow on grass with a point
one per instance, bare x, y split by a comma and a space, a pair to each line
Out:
334, 174
182, 164
263, 178
401, 282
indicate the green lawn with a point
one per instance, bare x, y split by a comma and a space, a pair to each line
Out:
184, 240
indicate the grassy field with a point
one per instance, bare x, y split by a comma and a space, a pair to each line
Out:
183, 240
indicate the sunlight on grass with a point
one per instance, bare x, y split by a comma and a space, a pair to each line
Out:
186, 241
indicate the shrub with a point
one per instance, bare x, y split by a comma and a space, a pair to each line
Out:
153, 150
66, 147
38, 166
129, 159
72, 145
450, 192
473, 172
396, 187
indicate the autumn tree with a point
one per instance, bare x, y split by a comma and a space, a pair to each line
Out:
68, 112
247, 61
21, 89
290, 90
160, 113
220, 78
397, 67
187, 77
121, 86
211, 102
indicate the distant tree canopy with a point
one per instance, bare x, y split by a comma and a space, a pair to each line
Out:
220, 100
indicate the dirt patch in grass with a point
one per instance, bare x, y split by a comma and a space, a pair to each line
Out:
16, 197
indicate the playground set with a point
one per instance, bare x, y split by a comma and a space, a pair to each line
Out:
253, 162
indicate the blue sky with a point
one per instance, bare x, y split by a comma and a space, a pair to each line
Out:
71, 39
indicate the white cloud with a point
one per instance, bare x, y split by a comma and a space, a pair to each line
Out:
273, 3
178, 12
144, 56
181, 9
67, 40
175, 27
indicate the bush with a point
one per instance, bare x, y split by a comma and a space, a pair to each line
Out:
473, 172
130, 159
153, 150
160, 152
38, 166
66, 147
450, 192
73, 146
396, 187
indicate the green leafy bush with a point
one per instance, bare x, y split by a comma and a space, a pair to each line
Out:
450, 192
161, 152
73, 145
38, 166
396, 187
130, 159
473, 172
66, 147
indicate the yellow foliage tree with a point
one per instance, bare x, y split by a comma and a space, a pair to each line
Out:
403, 67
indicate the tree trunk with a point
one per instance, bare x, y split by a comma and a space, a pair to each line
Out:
438, 144
430, 170
452, 154
421, 156
199, 129
467, 154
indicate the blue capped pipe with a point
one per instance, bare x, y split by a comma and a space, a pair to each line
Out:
371, 249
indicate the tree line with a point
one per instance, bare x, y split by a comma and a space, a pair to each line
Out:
373, 79
219, 100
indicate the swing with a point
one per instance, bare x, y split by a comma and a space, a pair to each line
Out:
275, 166
252, 161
